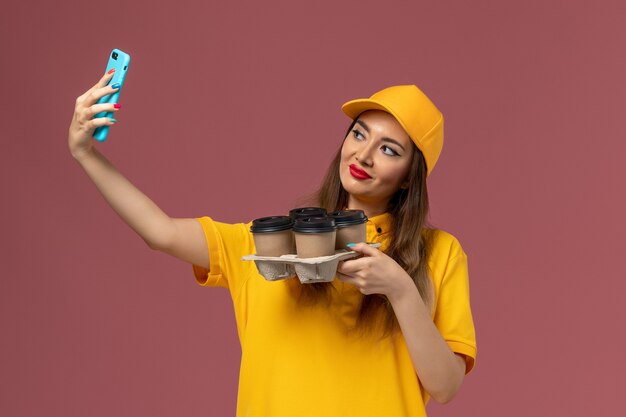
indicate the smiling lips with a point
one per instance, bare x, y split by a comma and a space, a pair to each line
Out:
358, 173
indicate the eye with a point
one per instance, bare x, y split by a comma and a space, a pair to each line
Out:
389, 151
357, 134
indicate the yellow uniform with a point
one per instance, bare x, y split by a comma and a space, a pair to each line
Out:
305, 360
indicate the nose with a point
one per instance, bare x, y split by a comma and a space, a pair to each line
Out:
364, 155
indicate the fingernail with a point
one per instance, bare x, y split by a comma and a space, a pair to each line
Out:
116, 85
113, 120
117, 106
351, 245
111, 71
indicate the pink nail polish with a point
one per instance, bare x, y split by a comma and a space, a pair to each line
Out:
117, 106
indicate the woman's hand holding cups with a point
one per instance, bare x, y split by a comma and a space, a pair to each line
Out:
374, 272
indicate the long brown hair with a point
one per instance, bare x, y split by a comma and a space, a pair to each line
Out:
409, 244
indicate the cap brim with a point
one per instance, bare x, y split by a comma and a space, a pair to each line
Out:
355, 107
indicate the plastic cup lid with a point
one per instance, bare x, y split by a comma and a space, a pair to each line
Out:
304, 212
314, 225
271, 224
348, 217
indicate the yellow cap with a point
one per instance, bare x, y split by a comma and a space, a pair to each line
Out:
413, 110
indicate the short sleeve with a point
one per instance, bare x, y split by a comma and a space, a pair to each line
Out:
226, 244
453, 315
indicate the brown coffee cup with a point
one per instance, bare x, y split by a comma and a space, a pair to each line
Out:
273, 236
315, 237
351, 227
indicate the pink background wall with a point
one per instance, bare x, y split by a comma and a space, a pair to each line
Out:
232, 109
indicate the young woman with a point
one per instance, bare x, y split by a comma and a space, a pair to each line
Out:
394, 329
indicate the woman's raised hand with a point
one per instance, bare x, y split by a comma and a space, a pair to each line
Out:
83, 121
182, 238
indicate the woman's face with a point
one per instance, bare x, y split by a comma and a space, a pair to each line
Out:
375, 159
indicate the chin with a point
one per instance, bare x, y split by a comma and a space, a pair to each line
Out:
359, 192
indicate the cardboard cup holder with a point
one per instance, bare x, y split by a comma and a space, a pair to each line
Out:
308, 270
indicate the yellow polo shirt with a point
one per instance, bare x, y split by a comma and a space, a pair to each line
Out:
304, 360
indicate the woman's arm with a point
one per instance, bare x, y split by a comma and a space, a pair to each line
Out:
182, 238
441, 371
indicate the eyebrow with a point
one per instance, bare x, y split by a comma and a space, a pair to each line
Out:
384, 139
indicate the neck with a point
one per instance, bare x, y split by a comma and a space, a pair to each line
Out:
370, 208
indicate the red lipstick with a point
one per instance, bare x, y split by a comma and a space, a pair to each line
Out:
358, 173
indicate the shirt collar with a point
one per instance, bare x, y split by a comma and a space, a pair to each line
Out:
380, 224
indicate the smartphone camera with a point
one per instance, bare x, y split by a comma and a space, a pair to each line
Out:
114, 55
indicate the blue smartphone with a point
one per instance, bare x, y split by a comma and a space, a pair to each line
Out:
120, 61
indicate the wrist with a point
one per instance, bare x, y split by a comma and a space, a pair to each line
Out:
81, 154
405, 289
409, 300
